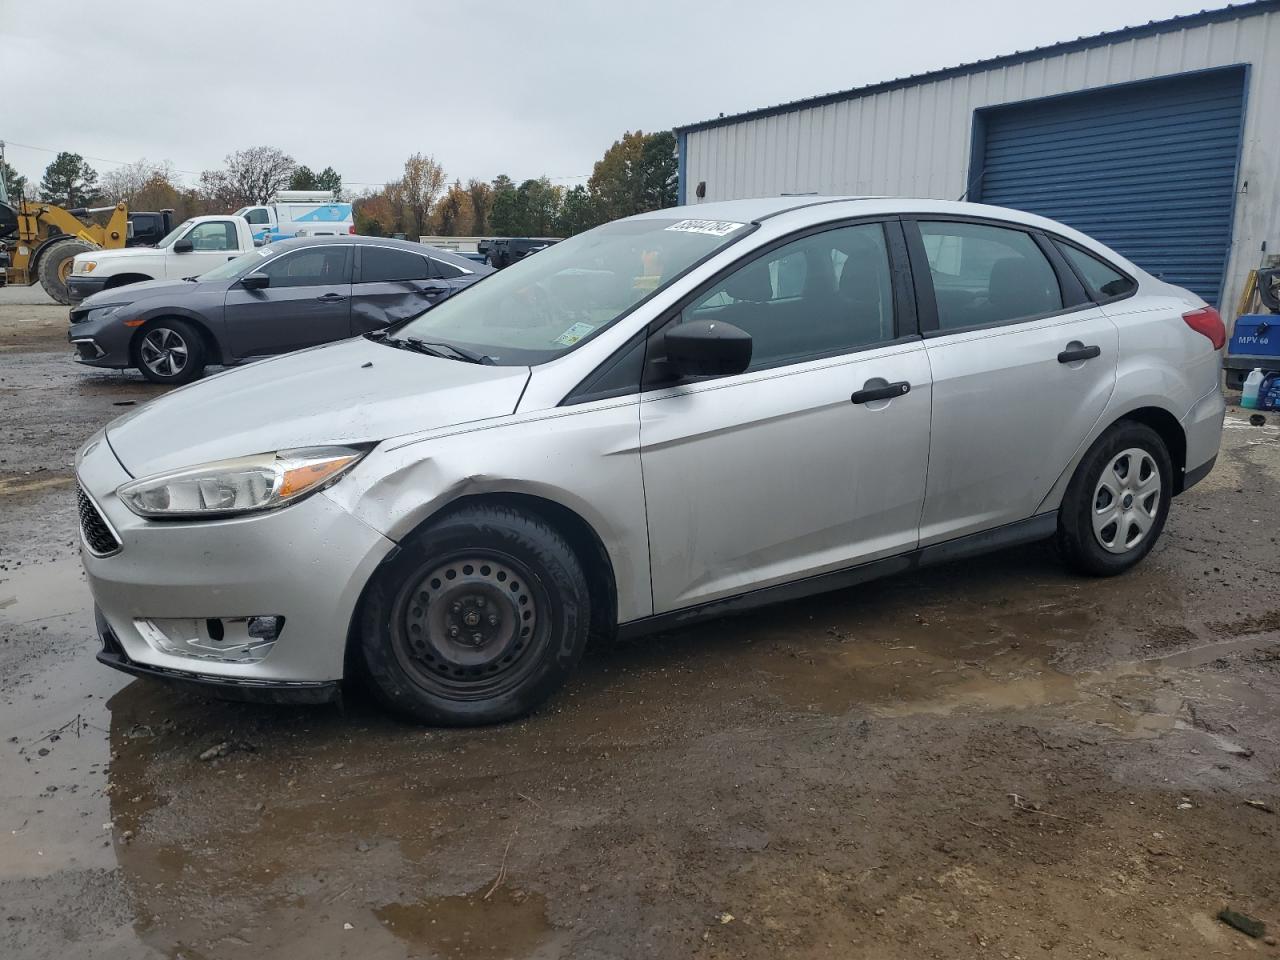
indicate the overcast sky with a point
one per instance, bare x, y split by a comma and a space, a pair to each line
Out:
486, 86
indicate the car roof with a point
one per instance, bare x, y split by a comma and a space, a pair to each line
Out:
412, 246
758, 209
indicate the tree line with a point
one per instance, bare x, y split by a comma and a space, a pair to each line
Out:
637, 173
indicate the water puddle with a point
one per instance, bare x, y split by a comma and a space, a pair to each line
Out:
478, 925
36, 592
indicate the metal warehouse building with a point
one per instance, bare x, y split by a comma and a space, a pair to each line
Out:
1162, 141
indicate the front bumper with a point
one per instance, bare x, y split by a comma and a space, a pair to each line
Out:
100, 343
251, 691
307, 562
80, 287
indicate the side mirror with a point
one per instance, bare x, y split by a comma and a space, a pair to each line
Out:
707, 348
183, 246
255, 281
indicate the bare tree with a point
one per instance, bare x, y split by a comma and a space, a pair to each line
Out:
256, 174
126, 182
217, 194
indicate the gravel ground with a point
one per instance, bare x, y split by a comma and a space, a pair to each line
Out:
990, 759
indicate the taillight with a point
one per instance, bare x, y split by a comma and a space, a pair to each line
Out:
1207, 322
351, 229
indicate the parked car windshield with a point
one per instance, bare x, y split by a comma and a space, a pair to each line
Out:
235, 269
547, 304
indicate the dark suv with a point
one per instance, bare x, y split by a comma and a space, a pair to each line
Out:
281, 297
504, 251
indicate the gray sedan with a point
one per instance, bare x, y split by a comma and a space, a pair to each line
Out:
293, 294
677, 415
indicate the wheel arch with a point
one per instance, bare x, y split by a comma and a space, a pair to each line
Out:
212, 352
1171, 433
1148, 412
583, 539
124, 279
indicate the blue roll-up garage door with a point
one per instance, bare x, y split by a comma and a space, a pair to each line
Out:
1149, 169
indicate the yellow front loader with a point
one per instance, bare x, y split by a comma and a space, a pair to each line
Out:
40, 240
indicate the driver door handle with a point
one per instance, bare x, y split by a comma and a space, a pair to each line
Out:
887, 392
1080, 353
331, 298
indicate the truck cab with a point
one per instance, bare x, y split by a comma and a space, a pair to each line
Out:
193, 247
298, 213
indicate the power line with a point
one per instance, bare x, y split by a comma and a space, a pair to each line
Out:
197, 173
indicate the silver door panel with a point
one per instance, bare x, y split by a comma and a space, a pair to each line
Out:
775, 475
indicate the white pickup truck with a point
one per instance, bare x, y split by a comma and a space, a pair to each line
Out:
190, 249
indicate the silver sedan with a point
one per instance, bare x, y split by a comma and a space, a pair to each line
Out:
677, 415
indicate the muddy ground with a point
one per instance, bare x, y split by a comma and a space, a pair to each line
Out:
990, 759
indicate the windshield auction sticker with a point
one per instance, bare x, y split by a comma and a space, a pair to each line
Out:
714, 228
574, 334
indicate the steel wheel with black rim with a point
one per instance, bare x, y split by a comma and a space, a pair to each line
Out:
1116, 505
477, 619
170, 351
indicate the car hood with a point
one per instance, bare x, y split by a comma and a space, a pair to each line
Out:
144, 289
348, 392
119, 253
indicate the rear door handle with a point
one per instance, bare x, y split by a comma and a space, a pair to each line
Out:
1079, 353
331, 298
887, 392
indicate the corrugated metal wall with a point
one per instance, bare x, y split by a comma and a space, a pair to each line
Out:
1147, 168
916, 140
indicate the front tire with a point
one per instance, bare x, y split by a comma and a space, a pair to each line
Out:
477, 620
55, 266
1117, 502
171, 352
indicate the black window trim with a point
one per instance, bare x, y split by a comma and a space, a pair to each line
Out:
1055, 240
1074, 294
585, 391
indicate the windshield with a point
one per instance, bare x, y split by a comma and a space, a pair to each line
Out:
545, 305
237, 268
168, 239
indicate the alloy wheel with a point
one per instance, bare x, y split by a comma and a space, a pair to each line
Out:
1126, 500
164, 352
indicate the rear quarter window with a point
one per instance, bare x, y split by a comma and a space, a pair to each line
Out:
1103, 281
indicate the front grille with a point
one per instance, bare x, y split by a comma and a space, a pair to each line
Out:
97, 535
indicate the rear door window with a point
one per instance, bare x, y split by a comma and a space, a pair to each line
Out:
985, 275
381, 264
1103, 281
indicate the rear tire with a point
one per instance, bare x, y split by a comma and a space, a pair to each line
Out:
478, 619
1117, 502
170, 351
55, 266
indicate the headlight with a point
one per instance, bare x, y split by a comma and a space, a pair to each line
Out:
242, 485
101, 313
89, 266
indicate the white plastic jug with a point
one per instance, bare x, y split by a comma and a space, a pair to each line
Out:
1252, 384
